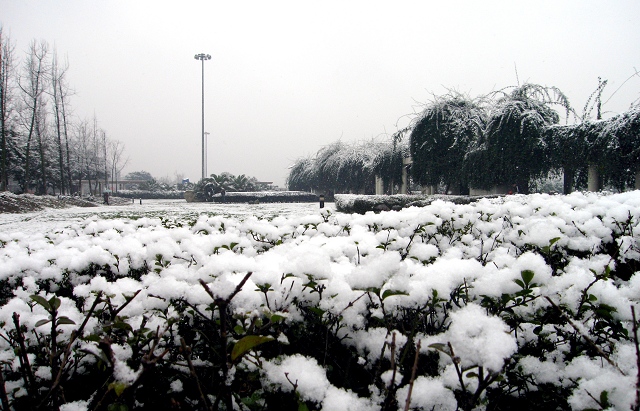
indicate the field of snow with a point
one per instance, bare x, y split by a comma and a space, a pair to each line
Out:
520, 302
54, 219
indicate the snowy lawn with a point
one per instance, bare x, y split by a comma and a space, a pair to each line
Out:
521, 302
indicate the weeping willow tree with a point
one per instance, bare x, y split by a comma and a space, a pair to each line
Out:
441, 137
303, 175
508, 138
567, 150
388, 160
512, 150
611, 145
348, 168
572, 148
621, 134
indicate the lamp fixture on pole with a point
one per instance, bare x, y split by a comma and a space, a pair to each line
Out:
202, 57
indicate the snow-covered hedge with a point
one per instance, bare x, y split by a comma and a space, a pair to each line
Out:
521, 302
266, 197
145, 194
354, 203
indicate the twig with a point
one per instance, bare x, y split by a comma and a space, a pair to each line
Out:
240, 285
24, 359
456, 362
294, 384
635, 340
187, 355
233, 294
389, 388
125, 304
601, 405
222, 309
586, 337
67, 350
3, 393
393, 360
414, 370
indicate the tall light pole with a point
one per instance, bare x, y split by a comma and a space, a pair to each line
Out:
206, 153
202, 57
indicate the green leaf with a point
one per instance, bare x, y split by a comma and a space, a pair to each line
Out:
441, 347
54, 302
527, 276
92, 337
553, 241
276, 318
118, 387
604, 313
42, 322
248, 343
318, 311
65, 320
302, 406
374, 290
122, 326
389, 293
128, 297
42, 301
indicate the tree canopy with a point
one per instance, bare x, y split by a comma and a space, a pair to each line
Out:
139, 175
349, 167
441, 137
508, 138
206, 188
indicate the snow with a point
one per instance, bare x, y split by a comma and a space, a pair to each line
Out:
428, 394
299, 372
363, 267
477, 339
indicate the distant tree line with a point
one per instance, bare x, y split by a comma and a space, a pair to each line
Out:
44, 148
511, 137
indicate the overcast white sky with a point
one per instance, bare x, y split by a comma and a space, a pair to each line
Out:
289, 77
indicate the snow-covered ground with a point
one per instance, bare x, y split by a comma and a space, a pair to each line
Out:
494, 281
51, 220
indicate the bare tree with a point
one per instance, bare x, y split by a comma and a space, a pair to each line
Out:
117, 163
6, 104
105, 158
32, 85
95, 156
95, 160
92, 153
42, 145
82, 152
59, 92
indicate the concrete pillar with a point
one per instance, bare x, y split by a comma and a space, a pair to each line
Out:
593, 179
379, 186
406, 164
